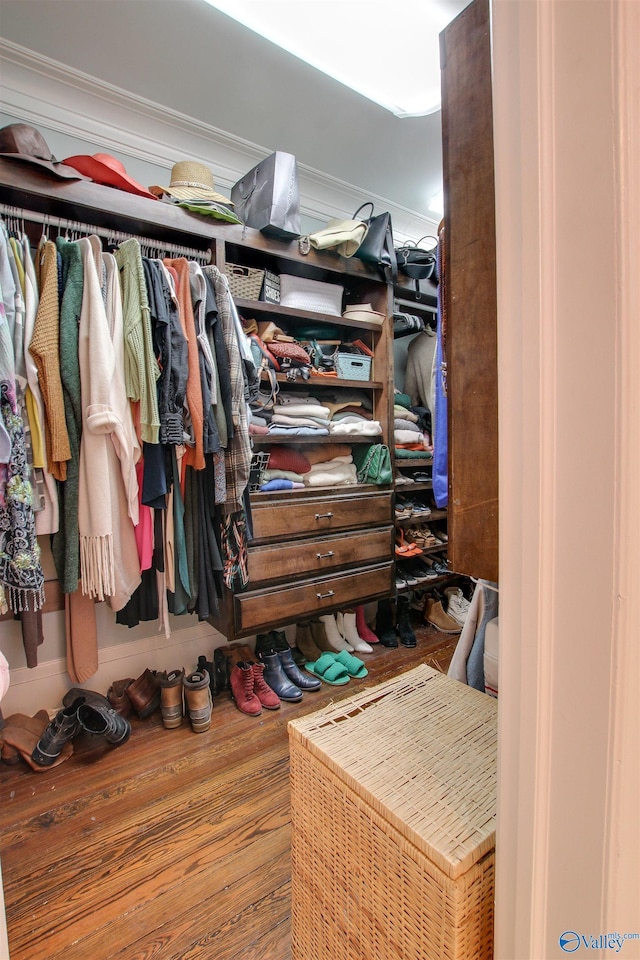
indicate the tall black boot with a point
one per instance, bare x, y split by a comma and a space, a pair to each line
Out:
384, 624
403, 622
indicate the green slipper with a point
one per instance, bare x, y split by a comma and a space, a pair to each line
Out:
353, 666
327, 668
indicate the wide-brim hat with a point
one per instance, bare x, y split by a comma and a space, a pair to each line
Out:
191, 181
363, 311
105, 169
20, 141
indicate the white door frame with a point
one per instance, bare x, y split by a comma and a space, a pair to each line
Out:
567, 148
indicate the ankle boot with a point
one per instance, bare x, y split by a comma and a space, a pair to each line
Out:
384, 624
117, 697
334, 638
278, 680
206, 666
279, 640
435, 616
241, 682
199, 703
403, 622
221, 669
144, 694
346, 621
263, 690
171, 698
305, 642
264, 644
64, 727
362, 626
98, 716
304, 681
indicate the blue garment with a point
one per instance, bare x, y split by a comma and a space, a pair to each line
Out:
440, 436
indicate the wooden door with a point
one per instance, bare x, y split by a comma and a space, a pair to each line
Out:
470, 292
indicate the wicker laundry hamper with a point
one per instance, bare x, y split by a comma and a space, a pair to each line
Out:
393, 795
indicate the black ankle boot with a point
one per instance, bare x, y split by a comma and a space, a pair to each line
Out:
384, 624
221, 668
277, 679
403, 622
206, 666
64, 727
100, 717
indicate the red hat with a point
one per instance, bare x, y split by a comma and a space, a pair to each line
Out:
105, 169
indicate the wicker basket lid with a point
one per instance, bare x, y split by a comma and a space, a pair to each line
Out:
421, 750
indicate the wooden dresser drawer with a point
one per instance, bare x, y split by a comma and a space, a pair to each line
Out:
297, 558
294, 516
281, 604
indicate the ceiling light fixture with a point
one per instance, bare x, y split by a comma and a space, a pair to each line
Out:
391, 59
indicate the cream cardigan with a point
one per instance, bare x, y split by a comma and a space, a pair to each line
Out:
109, 567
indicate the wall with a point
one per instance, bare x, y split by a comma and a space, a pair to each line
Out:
566, 102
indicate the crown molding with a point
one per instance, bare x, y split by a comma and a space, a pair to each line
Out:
47, 93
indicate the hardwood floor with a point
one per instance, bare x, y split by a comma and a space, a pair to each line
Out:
173, 846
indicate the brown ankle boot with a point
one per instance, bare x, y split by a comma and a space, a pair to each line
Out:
197, 693
144, 694
171, 698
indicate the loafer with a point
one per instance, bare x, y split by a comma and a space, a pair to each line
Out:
65, 726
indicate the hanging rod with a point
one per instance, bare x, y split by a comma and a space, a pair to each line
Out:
115, 236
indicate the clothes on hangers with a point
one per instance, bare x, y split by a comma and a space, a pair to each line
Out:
133, 372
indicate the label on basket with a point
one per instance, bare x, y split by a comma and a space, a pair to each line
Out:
271, 287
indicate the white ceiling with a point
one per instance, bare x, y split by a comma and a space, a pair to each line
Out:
188, 56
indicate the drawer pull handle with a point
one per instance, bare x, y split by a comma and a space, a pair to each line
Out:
323, 556
321, 516
323, 596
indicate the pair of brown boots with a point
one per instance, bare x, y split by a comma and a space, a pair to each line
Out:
185, 695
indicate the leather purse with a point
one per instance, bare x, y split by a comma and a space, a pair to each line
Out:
373, 463
377, 250
343, 236
417, 262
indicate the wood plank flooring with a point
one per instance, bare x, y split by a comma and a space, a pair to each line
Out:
174, 846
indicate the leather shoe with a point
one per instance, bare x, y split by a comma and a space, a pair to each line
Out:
144, 694
293, 672
278, 680
64, 727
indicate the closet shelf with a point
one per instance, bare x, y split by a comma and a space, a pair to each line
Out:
306, 316
331, 382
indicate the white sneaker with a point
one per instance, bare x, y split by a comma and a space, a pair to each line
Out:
457, 605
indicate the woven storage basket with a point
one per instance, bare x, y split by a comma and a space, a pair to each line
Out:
393, 823
244, 282
351, 366
301, 293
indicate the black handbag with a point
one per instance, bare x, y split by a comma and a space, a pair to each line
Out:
416, 262
376, 250
267, 198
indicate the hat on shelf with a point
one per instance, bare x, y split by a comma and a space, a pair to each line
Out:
20, 141
363, 311
105, 169
190, 181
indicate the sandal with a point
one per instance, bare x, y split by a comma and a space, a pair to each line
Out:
329, 669
353, 666
404, 549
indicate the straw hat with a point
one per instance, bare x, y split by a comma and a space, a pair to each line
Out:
105, 169
191, 181
363, 311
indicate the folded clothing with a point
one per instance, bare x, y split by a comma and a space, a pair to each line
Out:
280, 430
280, 420
356, 427
399, 424
255, 430
288, 458
280, 485
321, 452
408, 436
405, 414
302, 410
281, 475
331, 474
404, 453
